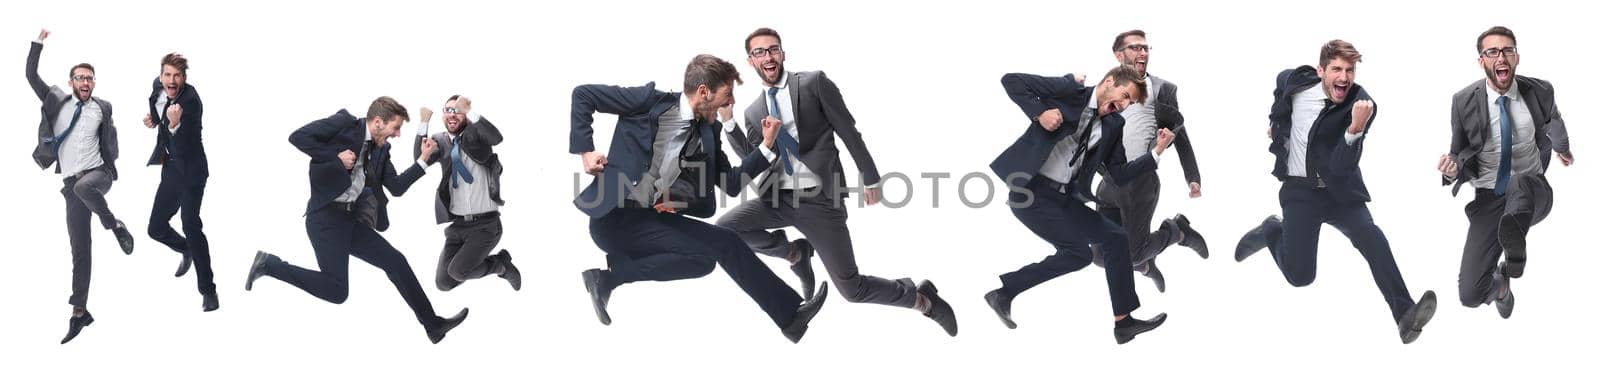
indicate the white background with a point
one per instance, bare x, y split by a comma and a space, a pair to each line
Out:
923, 82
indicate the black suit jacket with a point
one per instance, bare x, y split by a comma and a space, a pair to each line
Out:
183, 148
52, 99
323, 139
1327, 154
820, 115
477, 142
1020, 162
638, 111
1469, 125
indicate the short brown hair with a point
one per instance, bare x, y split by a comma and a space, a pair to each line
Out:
386, 107
763, 31
1118, 43
1338, 49
1496, 30
1122, 75
80, 66
176, 61
710, 71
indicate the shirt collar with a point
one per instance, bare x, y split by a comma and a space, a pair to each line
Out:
1515, 93
1094, 105
685, 111
783, 82
366, 128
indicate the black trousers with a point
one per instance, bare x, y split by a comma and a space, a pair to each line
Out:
643, 245
1528, 198
1133, 206
1294, 242
467, 245
1070, 226
336, 236
180, 193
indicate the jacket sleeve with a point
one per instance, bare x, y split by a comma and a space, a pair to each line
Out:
1168, 115
478, 140
40, 89
312, 139
844, 125
589, 99
1346, 157
1034, 93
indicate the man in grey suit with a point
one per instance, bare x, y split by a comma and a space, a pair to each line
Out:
1503, 113
76, 135
1133, 205
805, 189
468, 197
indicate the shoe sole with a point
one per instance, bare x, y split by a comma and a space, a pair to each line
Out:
590, 284
1516, 248
1425, 310
1003, 321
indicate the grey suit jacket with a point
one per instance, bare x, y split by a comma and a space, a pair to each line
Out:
53, 98
1140, 137
1469, 126
820, 115
477, 143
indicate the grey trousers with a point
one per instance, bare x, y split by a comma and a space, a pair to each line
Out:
1133, 206
1529, 197
824, 226
467, 245
85, 195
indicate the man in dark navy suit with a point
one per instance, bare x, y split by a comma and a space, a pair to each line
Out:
1075, 131
349, 169
665, 162
175, 113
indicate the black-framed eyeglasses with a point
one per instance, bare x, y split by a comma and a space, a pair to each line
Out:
83, 78
772, 50
451, 110
1497, 52
1138, 48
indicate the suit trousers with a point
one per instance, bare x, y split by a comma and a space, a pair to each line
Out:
1528, 199
1133, 206
823, 224
85, 197
179, 192
467, 245
1294, 242
1070, 226
336, 236
644, 245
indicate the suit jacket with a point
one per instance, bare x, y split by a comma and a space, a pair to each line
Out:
183, 148
477, 144
323, 139
53, 99
1327, 155
1020, 162
638, 111
1165, 102
1470, 128
819, 115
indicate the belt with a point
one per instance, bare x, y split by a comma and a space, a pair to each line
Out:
480, 216
1310, 182
1047, 183
343, 206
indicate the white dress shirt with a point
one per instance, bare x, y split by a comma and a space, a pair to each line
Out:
80, 149
1308, 106
1524, 152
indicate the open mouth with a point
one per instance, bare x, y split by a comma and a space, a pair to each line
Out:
1340, 91
769, 68
1502, 73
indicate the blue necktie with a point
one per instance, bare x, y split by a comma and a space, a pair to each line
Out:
71, 125
786, 143
1502, 179
456, 167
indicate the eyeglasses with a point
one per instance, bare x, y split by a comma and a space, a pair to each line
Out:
1508, 51
451, 110
1138, 48
759, 52
83, 78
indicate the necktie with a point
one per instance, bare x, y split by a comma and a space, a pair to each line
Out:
787, 145
1503, 178
70, 125
1083, 139
457, 169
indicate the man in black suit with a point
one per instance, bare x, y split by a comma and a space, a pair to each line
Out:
665, 162
1133, 205
1503, 129
76, 135
1074, 132
1319, 121
349, 169
175, 112
806, 189
468, 197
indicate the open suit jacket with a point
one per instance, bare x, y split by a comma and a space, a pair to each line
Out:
323, 139
1020, 162
1469, 126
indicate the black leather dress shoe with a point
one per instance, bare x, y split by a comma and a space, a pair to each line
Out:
511, 273
599, 286
1000, 302
803, 270
940, 312
76, 324
1155, 275
124, 238
437, 332
803, 315
1133, 327
1413, 320
1505, 304
1256, 239
258, 268
1191, 237
208, 302
183, 265
1514, 238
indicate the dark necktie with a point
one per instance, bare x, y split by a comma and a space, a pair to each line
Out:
1083, 139
70, 125
787, 145
1503, 178
457, 168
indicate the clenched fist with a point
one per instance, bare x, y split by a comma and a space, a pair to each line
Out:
1360, 115
1050, 119
594, 163
348, 158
